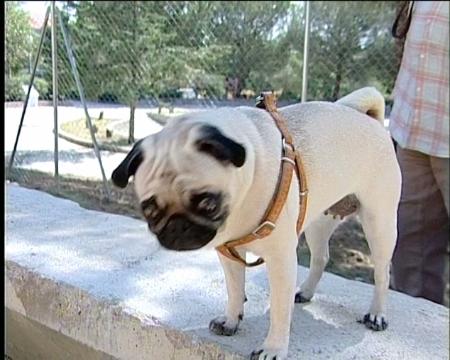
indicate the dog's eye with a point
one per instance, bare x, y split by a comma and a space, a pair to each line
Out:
206, 203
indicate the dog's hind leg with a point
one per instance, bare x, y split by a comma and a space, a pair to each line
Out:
235, 279
379, 221
317, 235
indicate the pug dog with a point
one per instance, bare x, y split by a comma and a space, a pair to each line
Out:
207, 178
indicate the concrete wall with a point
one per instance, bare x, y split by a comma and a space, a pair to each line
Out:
82, 284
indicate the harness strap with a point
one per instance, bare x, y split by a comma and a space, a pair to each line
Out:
290, 162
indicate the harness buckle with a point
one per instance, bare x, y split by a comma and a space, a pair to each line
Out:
288, 146
271, 226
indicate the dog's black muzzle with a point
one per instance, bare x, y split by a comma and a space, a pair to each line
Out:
182, 234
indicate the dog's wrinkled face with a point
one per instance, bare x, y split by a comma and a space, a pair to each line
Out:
182, 180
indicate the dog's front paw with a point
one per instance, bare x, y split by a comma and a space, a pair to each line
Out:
300, 297
375, 322
268, 354
222, 326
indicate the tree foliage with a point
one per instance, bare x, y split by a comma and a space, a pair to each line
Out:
17, 38
17, 49
351, 47
128, 51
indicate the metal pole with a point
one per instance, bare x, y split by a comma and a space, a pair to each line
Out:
44, 28
55, 89
81, 92
30, 57
305, 54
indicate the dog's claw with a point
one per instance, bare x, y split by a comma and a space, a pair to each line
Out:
255, 354
374, 322
218, 327
300, 299
261, 355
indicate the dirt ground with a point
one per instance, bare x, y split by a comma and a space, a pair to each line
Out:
349, 253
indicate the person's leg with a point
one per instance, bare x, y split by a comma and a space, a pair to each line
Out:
440, 167
419, 258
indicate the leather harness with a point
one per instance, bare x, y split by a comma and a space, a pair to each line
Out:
290, 162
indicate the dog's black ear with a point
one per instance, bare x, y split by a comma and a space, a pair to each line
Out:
214, 143
128, 166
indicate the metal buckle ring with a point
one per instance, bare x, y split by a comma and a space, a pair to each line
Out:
265, 223
260, 101
286, 145
284, 158
304, 193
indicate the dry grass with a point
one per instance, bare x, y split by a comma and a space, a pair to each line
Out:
78, 129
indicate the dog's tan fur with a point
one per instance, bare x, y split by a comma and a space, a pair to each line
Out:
344, 150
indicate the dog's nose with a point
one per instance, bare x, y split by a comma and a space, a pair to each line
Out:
178, 225
180, 233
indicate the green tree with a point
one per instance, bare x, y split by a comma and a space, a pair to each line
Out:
18, 44
18, 35
289, 77
135, 49
236, 39
252, 30
190, 23
349, 46
66, 82
123, 49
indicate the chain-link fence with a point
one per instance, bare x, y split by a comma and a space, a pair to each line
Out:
140, 63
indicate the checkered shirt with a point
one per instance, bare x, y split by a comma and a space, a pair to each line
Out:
420, 116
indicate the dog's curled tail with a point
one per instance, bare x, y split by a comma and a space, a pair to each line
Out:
367, 100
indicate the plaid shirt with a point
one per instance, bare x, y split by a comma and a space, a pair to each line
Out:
420, 116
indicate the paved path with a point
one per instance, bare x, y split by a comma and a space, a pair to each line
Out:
36, 143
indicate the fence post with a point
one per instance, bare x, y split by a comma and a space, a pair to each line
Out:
73, 66
305, 54
55, 89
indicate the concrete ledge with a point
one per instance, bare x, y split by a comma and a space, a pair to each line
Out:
84, 284
51, 319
